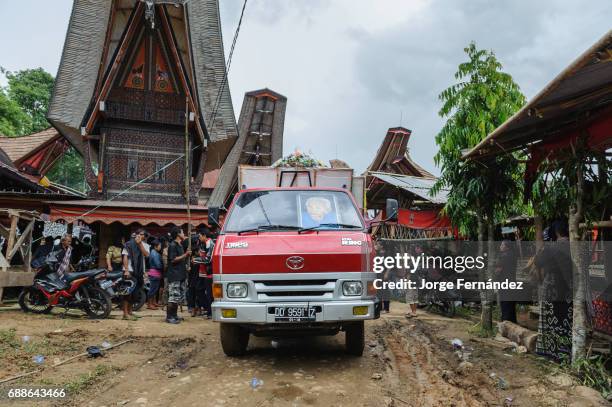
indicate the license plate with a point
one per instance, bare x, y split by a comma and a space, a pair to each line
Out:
105, 284
295, 314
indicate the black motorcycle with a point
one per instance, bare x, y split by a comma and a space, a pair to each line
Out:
77, 290
111, 285
441, 302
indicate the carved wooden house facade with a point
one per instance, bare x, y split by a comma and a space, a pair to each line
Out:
132, 73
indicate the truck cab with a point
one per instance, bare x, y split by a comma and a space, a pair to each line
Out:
293, 261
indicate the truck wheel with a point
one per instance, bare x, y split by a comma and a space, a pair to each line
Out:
355, 338
234, 339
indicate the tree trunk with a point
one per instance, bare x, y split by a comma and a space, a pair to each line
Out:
486, 316
579, 325
539, 230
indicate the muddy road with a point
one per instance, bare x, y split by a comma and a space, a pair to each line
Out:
407, 362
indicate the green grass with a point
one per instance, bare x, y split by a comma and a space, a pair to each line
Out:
465, 312
85, 380
592, 372
480, 332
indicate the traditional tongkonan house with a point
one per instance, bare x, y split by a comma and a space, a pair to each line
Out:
393, 174
141, 83
261, 125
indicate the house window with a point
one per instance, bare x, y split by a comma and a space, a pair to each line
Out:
160, 171
132, 169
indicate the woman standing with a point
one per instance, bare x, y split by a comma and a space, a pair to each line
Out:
156, 267
114, 261
554, 276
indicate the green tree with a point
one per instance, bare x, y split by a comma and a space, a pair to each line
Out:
31, 90
480, 193
69, 171
13, 121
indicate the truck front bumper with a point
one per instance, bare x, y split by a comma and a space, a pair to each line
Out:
259, 313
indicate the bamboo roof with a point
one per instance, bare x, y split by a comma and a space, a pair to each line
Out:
393, 155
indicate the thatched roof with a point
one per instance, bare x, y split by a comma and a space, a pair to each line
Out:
83, 54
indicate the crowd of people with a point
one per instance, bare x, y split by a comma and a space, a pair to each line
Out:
177, 267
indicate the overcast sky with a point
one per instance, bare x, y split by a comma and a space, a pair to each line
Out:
353, 68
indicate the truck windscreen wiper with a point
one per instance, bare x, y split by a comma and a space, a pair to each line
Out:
339, 225
269, 227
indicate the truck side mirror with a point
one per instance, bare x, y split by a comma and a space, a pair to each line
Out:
213, 215
391, 210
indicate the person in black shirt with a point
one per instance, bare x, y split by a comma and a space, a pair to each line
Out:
133, 253
176, 274
42, 252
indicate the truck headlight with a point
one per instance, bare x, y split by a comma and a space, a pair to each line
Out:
352, 288
237, 290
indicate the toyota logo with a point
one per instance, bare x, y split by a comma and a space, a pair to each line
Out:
295, 262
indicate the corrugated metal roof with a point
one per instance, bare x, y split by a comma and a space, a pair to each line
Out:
418, 186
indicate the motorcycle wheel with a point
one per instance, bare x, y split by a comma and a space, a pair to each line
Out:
141, 299
99, 304
32, 300
448, 309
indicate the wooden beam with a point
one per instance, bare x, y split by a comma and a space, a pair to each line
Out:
110, 78
12, 234
27, 231
182, 72
599, 224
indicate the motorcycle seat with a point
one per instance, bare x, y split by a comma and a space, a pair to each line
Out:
114, 275
68, 277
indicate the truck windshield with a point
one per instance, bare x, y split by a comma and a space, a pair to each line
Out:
293, 210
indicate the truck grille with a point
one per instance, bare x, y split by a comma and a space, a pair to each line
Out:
295, 290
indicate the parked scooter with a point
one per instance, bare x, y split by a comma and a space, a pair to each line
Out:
77, 290
115, 286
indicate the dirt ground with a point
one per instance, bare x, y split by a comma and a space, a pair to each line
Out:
407, 362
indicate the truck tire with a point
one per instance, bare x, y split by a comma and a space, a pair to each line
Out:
355, 338
234, 339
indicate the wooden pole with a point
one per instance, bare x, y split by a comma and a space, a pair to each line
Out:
187, 177
12, 234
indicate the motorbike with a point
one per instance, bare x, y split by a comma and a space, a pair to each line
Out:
110, 284
77, 290
442, 302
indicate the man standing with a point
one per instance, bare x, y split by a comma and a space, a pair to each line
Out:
133, 254
64, 256
204, 284
177, 273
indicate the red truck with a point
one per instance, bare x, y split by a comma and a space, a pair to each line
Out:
293, 261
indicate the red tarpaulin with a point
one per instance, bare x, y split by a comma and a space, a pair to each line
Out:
423, 219
599, 139
163, 215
